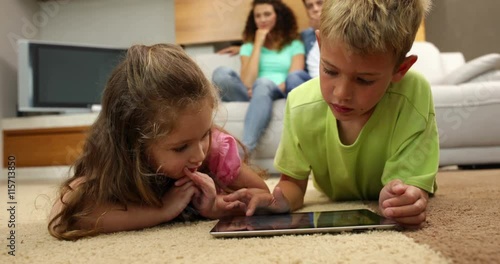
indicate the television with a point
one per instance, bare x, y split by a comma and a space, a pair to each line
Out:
63, 78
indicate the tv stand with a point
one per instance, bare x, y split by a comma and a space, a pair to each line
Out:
48, 140
95, 108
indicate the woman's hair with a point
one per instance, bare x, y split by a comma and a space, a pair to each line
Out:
285, 30
370, 26
141, 102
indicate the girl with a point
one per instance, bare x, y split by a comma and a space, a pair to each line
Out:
271, 51
147, 156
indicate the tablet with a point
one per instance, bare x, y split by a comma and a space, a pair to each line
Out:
300, 223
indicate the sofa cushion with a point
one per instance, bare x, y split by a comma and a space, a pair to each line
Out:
429, 62
473, 69
231, 116
491, 76
452, 61
209, 62
464, 114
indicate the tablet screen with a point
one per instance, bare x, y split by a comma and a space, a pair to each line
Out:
296, 223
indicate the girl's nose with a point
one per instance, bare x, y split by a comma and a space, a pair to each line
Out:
198, 155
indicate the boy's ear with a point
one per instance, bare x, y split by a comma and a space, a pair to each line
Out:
404, 67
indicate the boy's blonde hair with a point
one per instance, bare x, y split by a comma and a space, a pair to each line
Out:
371, 26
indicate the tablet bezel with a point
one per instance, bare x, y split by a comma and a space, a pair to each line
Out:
219, 231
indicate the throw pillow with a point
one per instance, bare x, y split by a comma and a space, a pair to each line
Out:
473, 69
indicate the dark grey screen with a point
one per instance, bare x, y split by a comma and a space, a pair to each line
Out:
66, 76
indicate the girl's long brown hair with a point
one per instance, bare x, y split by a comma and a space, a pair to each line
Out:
285, 30
140, 102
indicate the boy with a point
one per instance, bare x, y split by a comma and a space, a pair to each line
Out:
366, 128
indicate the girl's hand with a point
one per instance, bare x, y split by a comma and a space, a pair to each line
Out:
403, 203
207, 202
178, 197
204, 200
260, 200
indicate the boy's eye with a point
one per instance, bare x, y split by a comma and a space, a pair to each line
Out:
181, 148
329, 72
365, 82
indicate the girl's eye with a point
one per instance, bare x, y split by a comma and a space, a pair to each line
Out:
365, 82
185, 146
181, 148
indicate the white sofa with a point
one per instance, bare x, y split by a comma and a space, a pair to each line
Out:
466, 98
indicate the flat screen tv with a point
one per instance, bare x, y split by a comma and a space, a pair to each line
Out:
64, 78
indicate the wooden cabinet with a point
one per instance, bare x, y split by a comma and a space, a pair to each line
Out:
44, 147
47, 140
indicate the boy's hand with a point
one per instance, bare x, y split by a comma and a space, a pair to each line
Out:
403, 203
260, 200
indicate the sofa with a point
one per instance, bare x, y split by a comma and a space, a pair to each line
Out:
466, 98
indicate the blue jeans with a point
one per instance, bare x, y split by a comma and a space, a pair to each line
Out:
295, 79
258, 116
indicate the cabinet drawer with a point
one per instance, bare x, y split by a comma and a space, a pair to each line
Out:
44, 147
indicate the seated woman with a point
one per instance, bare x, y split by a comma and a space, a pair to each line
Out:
270, 51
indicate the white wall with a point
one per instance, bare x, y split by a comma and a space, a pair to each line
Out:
15, 17
470, 27
15, 22
112, 22
108, 22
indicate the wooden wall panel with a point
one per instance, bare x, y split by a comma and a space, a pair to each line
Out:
207, 21
421, 33
300, 13
44, 147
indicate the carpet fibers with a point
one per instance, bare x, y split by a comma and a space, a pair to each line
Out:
462, 227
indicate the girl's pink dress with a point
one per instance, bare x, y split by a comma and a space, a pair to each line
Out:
224, 160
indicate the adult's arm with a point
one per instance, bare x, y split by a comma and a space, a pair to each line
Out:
298, 63
250, 64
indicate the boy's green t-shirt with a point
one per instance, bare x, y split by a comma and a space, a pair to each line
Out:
399, 141
273, 64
